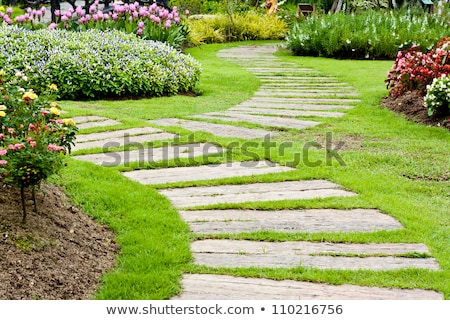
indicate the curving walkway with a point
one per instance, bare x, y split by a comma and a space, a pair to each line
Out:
287, 98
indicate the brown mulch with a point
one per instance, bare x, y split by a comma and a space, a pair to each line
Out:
59, 254
411, 106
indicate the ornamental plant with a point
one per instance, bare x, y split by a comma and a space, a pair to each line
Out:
415, 70
33, 138
97, 64
148, 22
437, 98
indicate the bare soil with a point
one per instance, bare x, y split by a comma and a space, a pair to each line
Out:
58, 254
412, 107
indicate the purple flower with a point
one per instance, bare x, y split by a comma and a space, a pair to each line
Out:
141, 25
64, 18
79, 11
9, 11
168, 24
52, 26
139, 31
114, 16
57, 13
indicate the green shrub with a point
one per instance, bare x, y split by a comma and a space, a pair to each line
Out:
246, 26
372, 34
96, 64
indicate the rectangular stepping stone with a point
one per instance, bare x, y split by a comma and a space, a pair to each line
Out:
206, 172
275, 122
324, 255
302, 100
278, 70
100, 123
294, 106
286, 190
84, 119
287, 113
310, 220
222, 130
116, 134
121, 141
151, 154
222, 287
305, 93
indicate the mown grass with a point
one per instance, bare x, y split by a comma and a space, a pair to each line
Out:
396, 166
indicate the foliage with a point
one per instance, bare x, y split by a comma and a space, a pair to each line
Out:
96, 64
414, 70
33, 140
243, 26
371, 34
438, 96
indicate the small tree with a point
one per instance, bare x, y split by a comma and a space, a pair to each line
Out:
33, 140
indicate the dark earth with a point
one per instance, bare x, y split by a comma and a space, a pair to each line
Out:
411, 106
58, 254
61, 254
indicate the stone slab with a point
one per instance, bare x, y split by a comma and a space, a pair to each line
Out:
116, 134
324, 255
310, 220
206, 172
273, 191
100, 123
84, 119
274, 122
287, 113
124, 140
305, 84
303, 100
152, 154
308, 89
305, 93
293, 106
222, 130
278, 69
222, 287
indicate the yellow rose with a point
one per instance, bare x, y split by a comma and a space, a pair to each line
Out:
2, 73
69, 122
55, 111
54, 104
30, 95
2, 107
2, 113
53, 87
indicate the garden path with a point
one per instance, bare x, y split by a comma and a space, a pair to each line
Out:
286, 94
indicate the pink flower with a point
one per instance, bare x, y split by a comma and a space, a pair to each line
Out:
57, 13
16, 146
32, 127
141, 25
54, 147
2, 136
3, 152
3, 162
11, 131
9, 11
52, 26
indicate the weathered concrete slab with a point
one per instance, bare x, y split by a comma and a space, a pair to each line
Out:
206, 172
152, 154
287, 190
99, 123
221, 287
310, 220
222, 130
377, 256
116, 134
305, 93
274, 122
279, 70
266, 85
293, 106
308, 89
124, 140
84, 119
303, 100
286, 113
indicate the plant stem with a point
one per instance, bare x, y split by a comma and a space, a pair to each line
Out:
24, 209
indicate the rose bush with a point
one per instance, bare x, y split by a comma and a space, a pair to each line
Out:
33, 138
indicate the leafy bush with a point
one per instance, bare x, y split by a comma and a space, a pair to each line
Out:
33, 140
96, 64
372, 34
415, 70
246, 26
437, 98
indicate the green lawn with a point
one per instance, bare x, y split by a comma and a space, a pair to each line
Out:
394, 165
